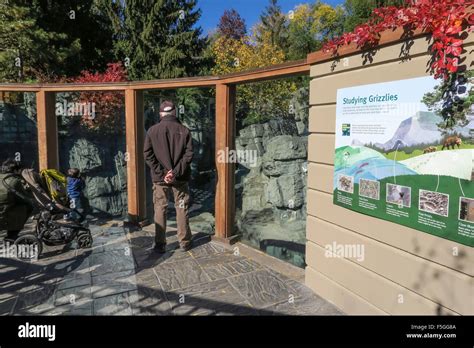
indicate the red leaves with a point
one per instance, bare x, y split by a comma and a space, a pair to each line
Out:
445, 20
470, 19
107, 104
114, 73
452, 64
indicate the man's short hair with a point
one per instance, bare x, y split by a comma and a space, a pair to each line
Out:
73, 172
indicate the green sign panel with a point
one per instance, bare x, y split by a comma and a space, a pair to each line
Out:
396, 160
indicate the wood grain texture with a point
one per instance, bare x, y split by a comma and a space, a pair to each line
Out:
405, 50
287, 69
346, 300
322, 118
321, 148
442, 251
48, 152
225, 139
388, 37
323, 90
376, 289
135, 137
438, 283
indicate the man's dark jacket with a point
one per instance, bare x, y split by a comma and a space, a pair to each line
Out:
169, 146
14, 212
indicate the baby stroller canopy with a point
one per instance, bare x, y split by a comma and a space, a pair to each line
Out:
39, 189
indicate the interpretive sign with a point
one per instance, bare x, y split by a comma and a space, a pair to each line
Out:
398, 159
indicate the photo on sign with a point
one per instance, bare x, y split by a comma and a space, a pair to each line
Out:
399, 195
466, 209
346, 129
369, 189
346, 183
434, 202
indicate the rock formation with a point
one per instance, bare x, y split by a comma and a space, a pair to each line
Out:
271, 196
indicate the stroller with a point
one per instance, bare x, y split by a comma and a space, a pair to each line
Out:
50, 228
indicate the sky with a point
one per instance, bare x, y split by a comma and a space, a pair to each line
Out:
250, 10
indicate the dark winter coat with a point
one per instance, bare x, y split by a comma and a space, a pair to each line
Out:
169, 146
14, 212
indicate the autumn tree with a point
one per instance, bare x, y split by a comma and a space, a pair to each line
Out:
256, 102
232, 25
310, 25
108, 105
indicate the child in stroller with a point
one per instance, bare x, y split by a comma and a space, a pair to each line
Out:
50, 228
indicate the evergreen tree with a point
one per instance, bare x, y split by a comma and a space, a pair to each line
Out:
359, 11
273, 21
43, 40
26, 50
85, 25
158, 39
453, 100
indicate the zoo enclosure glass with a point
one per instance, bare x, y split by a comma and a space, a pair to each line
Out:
18, 128
91, 137
270, 178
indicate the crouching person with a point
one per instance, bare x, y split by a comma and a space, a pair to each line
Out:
168, 152
14, 211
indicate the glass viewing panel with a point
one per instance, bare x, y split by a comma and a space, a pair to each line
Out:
18, 128
91, 135
270, 177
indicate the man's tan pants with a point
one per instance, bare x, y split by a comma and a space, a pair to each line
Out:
180, 193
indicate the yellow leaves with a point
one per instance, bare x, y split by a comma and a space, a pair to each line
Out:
301, 15
233, 55
324, 17
261, 101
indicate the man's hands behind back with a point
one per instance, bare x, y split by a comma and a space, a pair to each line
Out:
169, 178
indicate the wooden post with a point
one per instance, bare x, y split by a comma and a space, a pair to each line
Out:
225, 141
135, 137
47, 130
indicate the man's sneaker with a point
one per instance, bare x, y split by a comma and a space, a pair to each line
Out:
160, 249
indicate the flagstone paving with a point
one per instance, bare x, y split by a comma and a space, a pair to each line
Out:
122, 275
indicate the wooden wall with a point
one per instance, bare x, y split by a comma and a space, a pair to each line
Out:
404, 271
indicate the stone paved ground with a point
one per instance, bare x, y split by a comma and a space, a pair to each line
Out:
121, 275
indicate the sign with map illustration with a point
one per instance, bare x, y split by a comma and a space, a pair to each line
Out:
400, 157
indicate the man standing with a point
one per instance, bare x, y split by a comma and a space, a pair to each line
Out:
168, 152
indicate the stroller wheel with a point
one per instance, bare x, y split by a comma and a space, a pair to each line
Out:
28, 247
84, 239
